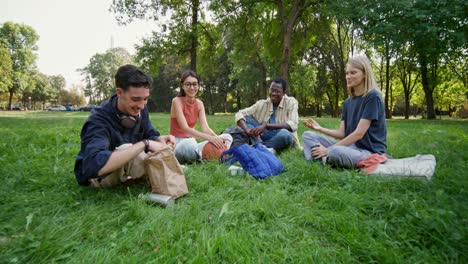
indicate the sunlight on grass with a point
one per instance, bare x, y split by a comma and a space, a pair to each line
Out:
307, 214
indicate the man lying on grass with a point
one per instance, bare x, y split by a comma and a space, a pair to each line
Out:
116, 135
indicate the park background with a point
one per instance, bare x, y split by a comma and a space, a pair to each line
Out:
307, 214
418, 50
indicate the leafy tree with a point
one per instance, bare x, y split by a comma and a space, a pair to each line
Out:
183, 24
156, 57
304, 86
276, 25
436, 28
250, 61
406, 70
20, 41
39, 91
451, 91
215, 68
6, 69
57, 84
330, 53
166, 85
71, 97
457, 63
99, 73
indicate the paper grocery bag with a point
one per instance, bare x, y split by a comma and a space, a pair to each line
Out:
165, 173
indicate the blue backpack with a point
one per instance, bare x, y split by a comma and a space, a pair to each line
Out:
256, 160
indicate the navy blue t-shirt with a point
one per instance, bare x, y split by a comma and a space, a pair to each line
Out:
370, 107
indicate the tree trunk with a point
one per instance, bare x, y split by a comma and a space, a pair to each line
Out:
10, 99
286, 54
336, 110
407, 103
388, 112
238, 102
318, 110
341, 60
427, 88
210, 101
287, 25
193, 35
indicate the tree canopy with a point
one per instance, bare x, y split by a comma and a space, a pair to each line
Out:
20, 42
417, 48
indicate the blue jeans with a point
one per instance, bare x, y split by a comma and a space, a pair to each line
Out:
278, 139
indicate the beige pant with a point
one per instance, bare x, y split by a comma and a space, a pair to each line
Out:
134, 169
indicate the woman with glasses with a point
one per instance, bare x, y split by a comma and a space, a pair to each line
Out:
186, 111
362, 128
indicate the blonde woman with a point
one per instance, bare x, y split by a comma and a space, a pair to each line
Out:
186, 111
362, 128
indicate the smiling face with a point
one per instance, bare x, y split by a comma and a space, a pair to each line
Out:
190, 86
354, 79
133, 100
276, 93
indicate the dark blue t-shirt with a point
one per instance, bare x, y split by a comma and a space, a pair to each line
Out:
102, 133
370, 107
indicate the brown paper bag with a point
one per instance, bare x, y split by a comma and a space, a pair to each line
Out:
165, 173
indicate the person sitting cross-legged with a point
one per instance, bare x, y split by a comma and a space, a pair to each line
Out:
362, 130
272, 121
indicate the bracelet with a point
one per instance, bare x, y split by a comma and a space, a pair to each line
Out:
146, 142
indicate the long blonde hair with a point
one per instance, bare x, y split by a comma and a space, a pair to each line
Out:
362, 63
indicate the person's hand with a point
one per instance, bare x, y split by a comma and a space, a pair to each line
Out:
312, 124
319, 151
248, 131
169, 139
257, 131
217, 141
155, 146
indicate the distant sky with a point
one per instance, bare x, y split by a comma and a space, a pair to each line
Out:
72, 31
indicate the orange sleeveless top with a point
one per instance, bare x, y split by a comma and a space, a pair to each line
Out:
190, 112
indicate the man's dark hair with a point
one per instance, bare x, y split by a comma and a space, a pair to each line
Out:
129, 75
283, 83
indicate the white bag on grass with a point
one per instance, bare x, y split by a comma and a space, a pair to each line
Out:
419, 166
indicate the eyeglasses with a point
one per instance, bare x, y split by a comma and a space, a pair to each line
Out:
276, 91
194, 85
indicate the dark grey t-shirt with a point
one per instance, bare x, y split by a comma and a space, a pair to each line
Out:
368, 107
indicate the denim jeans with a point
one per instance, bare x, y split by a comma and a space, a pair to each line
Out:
278, 139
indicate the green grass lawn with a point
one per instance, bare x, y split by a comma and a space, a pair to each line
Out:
307, 214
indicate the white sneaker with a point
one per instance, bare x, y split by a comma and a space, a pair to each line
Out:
272, 150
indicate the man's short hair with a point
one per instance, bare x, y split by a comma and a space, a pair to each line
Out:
281, 81
129, 75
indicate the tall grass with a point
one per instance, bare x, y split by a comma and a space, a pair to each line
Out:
307, 214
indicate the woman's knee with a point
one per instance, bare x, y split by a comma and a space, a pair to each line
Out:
341, 156
310, 135
186, 151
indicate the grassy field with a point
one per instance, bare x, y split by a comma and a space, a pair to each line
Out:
307, 214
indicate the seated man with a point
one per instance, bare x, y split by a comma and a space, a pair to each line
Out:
272, 121
116, 135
